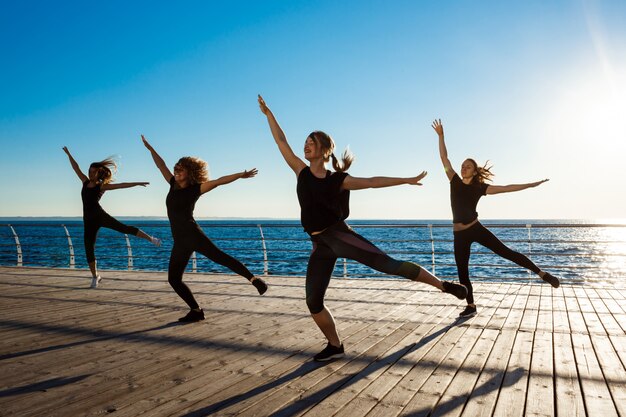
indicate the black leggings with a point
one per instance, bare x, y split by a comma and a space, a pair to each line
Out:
93, 223
478, 233
340, 241
197, 241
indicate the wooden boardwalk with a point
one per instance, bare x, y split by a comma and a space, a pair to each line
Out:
66, 350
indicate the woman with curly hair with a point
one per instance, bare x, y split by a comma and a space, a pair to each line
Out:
94, 216
324, 206
189, 181
465, 191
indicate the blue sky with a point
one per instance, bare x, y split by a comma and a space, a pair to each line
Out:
538, 88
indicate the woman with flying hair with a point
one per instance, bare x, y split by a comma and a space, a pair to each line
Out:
94, 217
324, 206
189, 181
465, 191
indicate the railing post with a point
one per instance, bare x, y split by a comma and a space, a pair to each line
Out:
530, 249
345, 268
17, 246
130, 252
432, 247
194, 262
71, 247
265, 263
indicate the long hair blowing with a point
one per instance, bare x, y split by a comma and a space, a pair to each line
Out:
328, 147
197, 169
482, 173
105, 170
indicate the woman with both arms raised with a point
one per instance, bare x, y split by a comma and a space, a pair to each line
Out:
324, 202
465, 191
189, 181
94, 216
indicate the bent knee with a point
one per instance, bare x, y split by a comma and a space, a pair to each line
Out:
314, 304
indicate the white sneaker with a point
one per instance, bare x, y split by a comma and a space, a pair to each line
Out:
155, 241
95, 281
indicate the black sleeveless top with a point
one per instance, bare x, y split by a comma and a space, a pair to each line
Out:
91, 199
322, 202
464, 199
180, 203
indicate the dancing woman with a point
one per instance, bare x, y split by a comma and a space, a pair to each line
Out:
189, 181
465, 191
324, 206
94, 216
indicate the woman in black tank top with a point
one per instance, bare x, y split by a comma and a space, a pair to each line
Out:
94, 216
465, 191
189, 181
324, 206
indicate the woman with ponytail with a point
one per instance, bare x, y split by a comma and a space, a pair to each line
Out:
324, 206
188, 182
94, 217
465, 191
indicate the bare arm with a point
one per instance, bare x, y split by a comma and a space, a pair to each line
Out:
107, 187
497, 189
295, 163
354, 183
165, 171
443, 151
227, 179
74, 164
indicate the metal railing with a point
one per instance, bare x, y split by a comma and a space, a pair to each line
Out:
579, 252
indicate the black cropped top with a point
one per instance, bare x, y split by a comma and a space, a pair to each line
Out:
464, 198
322, 201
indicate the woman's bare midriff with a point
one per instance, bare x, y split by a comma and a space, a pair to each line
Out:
458, 227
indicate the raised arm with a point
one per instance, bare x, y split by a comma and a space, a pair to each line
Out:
497, 189
295, 163
443, 151
107, 187
354, 183
165, 171
227, 179
74, 164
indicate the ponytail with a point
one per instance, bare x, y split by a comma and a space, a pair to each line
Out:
482, 173
346, 160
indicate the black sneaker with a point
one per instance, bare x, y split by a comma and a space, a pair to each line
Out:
458, 290
260, 285
329, 352
192, 316
468, 312
551, 279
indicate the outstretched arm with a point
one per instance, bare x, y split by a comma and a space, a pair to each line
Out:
443, 151
74, 164
497, 189
354, 183
107, 187
165, 171
295, 163
227, 179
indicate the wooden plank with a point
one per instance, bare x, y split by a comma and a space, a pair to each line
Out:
512, 398
595, 391
540, 394
483, 397
613, 370
569, 398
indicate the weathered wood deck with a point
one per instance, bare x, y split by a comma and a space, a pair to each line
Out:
66, 350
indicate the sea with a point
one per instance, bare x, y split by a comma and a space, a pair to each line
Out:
577, 251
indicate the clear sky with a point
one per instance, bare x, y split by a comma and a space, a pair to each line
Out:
536, 87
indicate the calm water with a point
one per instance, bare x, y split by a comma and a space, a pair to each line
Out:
573, 253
